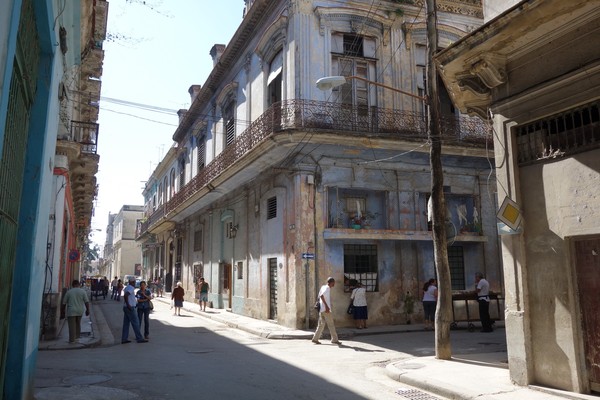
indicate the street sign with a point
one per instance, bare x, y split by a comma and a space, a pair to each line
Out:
74, 255
308, 256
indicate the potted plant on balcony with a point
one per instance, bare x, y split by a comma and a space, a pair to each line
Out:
356, 221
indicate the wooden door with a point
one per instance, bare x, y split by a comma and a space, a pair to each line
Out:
587, 264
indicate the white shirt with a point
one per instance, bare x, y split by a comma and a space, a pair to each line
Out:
326, 293
483, 289
429, 294
131, 300
359, 297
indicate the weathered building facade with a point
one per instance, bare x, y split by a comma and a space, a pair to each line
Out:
274, 185
50, 68
126, 252
535, 70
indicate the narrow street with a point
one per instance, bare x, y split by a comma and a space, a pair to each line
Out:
190, 356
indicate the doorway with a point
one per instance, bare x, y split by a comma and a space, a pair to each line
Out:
587, 266
272, 288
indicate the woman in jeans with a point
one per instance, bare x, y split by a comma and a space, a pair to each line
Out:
143, 307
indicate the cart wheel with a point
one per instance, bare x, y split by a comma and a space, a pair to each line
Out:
471, 327
453, 326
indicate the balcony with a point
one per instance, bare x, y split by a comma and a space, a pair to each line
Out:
327, 122
86, 134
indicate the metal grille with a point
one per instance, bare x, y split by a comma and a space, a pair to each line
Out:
273, 288
561, 134
457, 267
360, 264
414, 394
85, 133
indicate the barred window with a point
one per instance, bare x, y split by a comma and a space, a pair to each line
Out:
457, 267
360, 265
562, 134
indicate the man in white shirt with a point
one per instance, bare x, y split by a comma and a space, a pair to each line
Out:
325, 316
130, 315
483, 298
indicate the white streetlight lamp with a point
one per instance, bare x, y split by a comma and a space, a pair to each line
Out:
330, 82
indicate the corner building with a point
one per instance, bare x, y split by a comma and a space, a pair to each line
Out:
273, 185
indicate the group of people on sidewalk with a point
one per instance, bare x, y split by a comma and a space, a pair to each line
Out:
359, 312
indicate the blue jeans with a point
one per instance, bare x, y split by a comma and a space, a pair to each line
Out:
145, 314
130, 317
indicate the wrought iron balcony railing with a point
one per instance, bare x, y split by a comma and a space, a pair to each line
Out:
325, 116
86, 134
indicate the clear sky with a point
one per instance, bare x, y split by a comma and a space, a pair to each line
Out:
155, 50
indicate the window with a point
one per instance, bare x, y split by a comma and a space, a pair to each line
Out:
274, 79
360, 264
272, 208
457, 267
201, 149
166, 189
181, 171
229, 124
240, 270
198, 240
353, 55
420, 57
172, 190
160, 194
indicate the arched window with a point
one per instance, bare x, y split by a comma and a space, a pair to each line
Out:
274, 79
172, 190
166, 193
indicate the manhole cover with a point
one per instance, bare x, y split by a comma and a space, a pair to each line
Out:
410, 366
87, 379
414, 394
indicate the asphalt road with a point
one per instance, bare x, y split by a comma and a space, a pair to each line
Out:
190, 357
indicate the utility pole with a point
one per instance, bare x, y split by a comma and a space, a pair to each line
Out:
438, 203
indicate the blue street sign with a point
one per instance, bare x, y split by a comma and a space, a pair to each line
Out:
308, 256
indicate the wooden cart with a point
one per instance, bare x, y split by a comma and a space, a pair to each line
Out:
465, 308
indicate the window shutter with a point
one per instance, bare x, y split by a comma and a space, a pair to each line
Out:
369, 47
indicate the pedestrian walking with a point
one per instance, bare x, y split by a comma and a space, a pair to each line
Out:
483, 298
325, 315
144, 296
177, 298
430, 294
120, 288
203, 294
75, 301
130, 316
104, 284
359, 302
114, 285
159, 286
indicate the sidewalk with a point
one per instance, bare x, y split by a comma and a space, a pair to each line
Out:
480, 376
